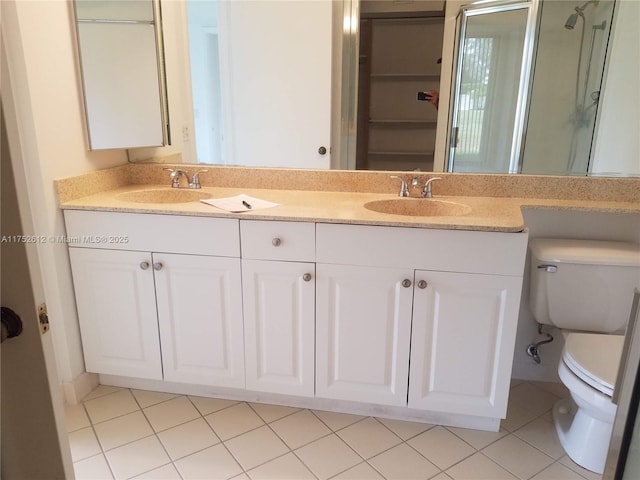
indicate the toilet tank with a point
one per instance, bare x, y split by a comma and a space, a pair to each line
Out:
583, 284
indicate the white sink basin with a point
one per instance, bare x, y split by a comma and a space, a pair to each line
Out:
418, 207
163, 195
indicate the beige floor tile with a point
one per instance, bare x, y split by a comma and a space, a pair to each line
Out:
403, 463
515, 382
300, 428
478, 439
286, 467
369, 437
209, 405
362, 471
171, 413
256, 447
111, 406
92, 468
328, 456
213, 463
188, 438
557, 471
517, 456
479, 467
441, 447
234, 421
83, 444
120, 430
135, 458
166, 472
271, 413
75, 417
588, 474
517, 416
146, 398
335, 421
441, 476
101, 391
405, 430
557, 388
541, 433
535, 399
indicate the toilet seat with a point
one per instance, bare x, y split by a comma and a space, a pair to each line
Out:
594, 358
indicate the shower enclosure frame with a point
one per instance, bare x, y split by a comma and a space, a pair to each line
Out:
485, 7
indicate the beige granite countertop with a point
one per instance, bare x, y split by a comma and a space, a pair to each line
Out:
332, 197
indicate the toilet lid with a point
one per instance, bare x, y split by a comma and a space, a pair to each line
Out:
594, 358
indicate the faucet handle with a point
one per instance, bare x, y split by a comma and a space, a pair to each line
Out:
426, 191
195, 180
404, 189
175, 176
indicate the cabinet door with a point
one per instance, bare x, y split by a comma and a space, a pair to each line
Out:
279, 314
363, 327
117, 311
463, 333
200, 318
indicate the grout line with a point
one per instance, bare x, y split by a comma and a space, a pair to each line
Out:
331, 432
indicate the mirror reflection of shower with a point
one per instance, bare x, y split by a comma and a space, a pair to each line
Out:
584, 108
565, 93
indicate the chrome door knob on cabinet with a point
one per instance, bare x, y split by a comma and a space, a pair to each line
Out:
144, 265
322, 150
406, 283
276, 242
422, 284
157, 266
306, 277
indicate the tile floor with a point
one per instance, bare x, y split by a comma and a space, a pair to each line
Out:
119, 433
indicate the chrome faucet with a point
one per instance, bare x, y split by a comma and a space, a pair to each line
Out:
175, 177
426, 191
404, 189
195, 180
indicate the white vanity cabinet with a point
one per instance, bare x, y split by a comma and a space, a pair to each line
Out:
464, 326
148, 314
363, 330
450, 298
116, 299
278, 273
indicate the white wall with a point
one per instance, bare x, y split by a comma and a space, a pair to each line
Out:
617, 146
41, 56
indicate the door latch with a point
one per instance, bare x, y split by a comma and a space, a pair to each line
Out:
43, 318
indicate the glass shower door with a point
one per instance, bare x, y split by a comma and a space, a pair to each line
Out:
491, 86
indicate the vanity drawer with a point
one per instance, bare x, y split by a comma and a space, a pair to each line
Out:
289, 241
153, 233
462, 251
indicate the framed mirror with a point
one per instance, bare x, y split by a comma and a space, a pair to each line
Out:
119, 45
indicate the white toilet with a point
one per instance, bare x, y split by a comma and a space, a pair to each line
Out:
587, 287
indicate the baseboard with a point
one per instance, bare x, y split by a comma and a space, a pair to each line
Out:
80, 387
341, 406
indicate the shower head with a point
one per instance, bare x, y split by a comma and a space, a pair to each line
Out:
571, 21
573, 18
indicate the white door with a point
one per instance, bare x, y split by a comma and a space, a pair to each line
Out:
363, 329
464, 327
117, 311
275, 61
33, 438
279, 319
200, 317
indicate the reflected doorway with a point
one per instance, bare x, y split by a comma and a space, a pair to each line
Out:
399, 55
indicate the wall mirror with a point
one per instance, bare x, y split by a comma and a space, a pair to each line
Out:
122, 76
275, 65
